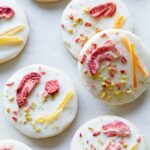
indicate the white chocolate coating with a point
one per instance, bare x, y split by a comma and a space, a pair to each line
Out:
83, 138
76, 8
13, 145
113, 95
8, 52
41, 107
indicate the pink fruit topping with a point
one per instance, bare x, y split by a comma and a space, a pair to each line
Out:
6, 12
26, 86
107, 52
112, 146
116, 128
104, 10
52, 87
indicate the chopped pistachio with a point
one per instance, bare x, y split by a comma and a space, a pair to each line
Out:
70, 31
11, 98
37, 130
101, 142
85, 10
103, 94
8, 110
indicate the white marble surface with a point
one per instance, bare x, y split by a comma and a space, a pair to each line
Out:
45, 46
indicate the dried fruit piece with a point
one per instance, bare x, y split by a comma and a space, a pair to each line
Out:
6, 12
82, 59
104, 10
112, 146
116, 128
119, 21
52, 87
47, 119
8, 40
26, 86
134, 76
101, 54
126, 43
13, 30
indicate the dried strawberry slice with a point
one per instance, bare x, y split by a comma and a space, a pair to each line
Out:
26, 86
112, 146
101, 54
52, 87
104, 10
6, 12
116, 128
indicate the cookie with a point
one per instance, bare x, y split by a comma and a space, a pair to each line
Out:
40, 101
108, 133
14, 30
114, 66
13, 145
84, 18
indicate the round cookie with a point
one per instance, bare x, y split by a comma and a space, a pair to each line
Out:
14, 30
40, 101
108, 133
114, 66
13, 145
82, 19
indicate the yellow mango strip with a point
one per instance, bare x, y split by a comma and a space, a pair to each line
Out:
125, 42
51, 117
13, 31
134, 147
8, 40
132, 52
119, 21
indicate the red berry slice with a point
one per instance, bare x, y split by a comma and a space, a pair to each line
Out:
26, 86
116, 128
104, 10
6, 12
102, 54
52, 87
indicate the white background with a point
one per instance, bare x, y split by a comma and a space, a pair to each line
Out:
45, 47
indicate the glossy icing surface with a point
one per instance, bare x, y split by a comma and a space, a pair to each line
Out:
107, 68
38, 112
13, 145
9, 51
77, 25
122, 134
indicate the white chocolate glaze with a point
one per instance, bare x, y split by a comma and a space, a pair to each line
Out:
77, 9
27, 122
112, 94
13, 145
87, 137
8, 52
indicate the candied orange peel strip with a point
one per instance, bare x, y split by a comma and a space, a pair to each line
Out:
8, 40
13, 30
47, 119
126, 43
134, 76
119, 21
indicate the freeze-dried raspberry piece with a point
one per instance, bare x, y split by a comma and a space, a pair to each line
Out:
112, 146
116, 128
104, 10
102, 54
26, 86
6, 12
52, 87
82, 59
